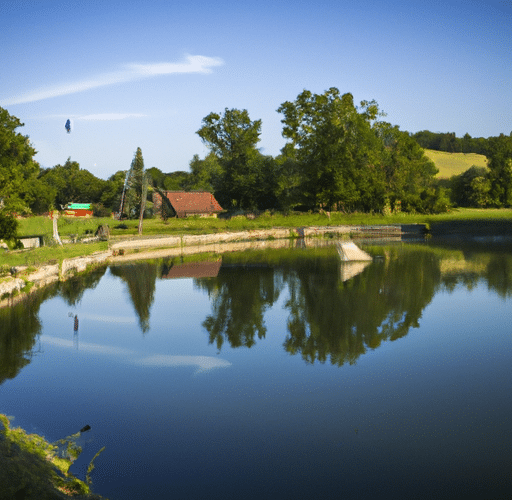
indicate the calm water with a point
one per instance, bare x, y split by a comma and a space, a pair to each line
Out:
279, 374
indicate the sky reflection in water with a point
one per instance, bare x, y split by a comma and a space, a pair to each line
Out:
394, 382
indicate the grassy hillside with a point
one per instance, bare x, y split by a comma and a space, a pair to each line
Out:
454, 163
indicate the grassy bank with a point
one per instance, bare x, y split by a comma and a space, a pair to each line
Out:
49, 255
84, 227
31, 467
129, 228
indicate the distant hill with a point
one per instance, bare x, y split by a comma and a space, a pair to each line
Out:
454, 163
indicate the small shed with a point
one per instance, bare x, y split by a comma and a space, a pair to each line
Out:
188, 203
78, 210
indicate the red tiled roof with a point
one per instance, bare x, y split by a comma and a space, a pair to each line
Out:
193, 202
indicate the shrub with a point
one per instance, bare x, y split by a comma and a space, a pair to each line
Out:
8, 227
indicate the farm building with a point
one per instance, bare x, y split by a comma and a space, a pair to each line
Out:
186, 204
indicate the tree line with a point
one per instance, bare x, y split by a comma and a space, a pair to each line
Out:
337, 156
450, 143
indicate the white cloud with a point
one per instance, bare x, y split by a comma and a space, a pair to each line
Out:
87, 346
193, 64
134, 71
203, 363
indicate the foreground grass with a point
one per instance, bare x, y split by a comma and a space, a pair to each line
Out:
454, 163
31, 468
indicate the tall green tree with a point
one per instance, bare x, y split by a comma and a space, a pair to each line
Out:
206, 174
178, 181
471, 188
233, 137
17, 165
72, 184
136, 183
410, 182
111, 195
288, 182
500, 166
337, 150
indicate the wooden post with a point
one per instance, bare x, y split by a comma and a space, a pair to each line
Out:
56, 237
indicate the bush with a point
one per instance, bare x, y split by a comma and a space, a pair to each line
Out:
8, 227
100, 210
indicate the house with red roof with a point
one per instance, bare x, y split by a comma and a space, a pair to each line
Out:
188, 203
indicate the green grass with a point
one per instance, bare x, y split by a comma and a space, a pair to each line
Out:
450, 164
210, 225
31, 467
54, 254
265, 221
43, 255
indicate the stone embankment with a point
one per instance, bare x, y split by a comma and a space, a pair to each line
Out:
12, 288
190, 240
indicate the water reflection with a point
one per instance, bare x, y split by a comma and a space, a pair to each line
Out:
19, 326
141, 279
72, 290
336, 312
201, 363
239, 295
339, 321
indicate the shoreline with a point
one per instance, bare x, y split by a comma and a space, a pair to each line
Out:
13, 288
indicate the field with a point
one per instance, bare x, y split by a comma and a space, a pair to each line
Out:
128, 229
83, 227
454, 163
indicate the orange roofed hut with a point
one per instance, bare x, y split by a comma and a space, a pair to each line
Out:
188, 203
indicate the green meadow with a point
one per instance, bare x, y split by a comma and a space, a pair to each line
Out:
450, 164
80, 228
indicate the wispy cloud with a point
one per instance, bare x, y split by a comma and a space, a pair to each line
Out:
201, 363
92, 117
110, 116
130, 72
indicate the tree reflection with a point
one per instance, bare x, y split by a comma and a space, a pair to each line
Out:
240, 296
141, 281
499, 274
339, 321
72, 290
19, 326
328, 318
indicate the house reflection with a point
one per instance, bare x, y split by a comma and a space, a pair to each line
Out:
205, 269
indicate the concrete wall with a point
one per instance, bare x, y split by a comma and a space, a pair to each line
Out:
31, 242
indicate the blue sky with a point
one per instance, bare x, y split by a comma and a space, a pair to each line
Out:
145, 74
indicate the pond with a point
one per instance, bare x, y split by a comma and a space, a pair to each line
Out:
276, 373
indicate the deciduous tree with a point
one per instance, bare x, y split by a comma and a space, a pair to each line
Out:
17, 166
337, 150
232, 137
500, 166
